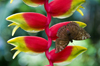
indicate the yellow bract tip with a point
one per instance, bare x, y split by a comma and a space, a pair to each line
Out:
81, 24
11, 1
81, 7
16, 53
79, 10
14, 48
14, 30
80, 48
12, 24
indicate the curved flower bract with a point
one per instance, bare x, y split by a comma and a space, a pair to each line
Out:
65, 8
54, 29
34, 3
67, 55
29, 44
30, 22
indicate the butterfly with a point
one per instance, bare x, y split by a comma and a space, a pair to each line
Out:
68, 33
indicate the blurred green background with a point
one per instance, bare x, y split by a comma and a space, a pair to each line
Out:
91, 17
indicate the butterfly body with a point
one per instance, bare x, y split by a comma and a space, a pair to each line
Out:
69, 36
68, 33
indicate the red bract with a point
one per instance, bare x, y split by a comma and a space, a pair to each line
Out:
66, 55
65, 8
29, 21
54, 29
30, 44
58, 7
61, 56
35, 20
37, 44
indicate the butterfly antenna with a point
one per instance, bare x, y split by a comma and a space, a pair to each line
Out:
75, 46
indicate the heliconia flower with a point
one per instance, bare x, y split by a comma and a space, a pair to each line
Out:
29, 21
33, 3
66, 55
65, 8
54, 29
28, 44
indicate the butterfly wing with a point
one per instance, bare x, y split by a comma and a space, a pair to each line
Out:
62, 32
60, 44
77, 33
82, 35
72, 30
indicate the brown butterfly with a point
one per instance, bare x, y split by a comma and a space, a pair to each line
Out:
69, 32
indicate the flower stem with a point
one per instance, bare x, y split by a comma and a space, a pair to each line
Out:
47, 8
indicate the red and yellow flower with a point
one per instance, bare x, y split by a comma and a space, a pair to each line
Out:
28, 44
67, 55
29, 21
65, 8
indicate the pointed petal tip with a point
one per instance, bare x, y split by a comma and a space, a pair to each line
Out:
13, 41
81, 7
12, 24
8, 25
16, 53
80, 11
10, 41
15, 48
14, 30
14, 16
13, 34
8, 18
11, 1
83, 49
81, 24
